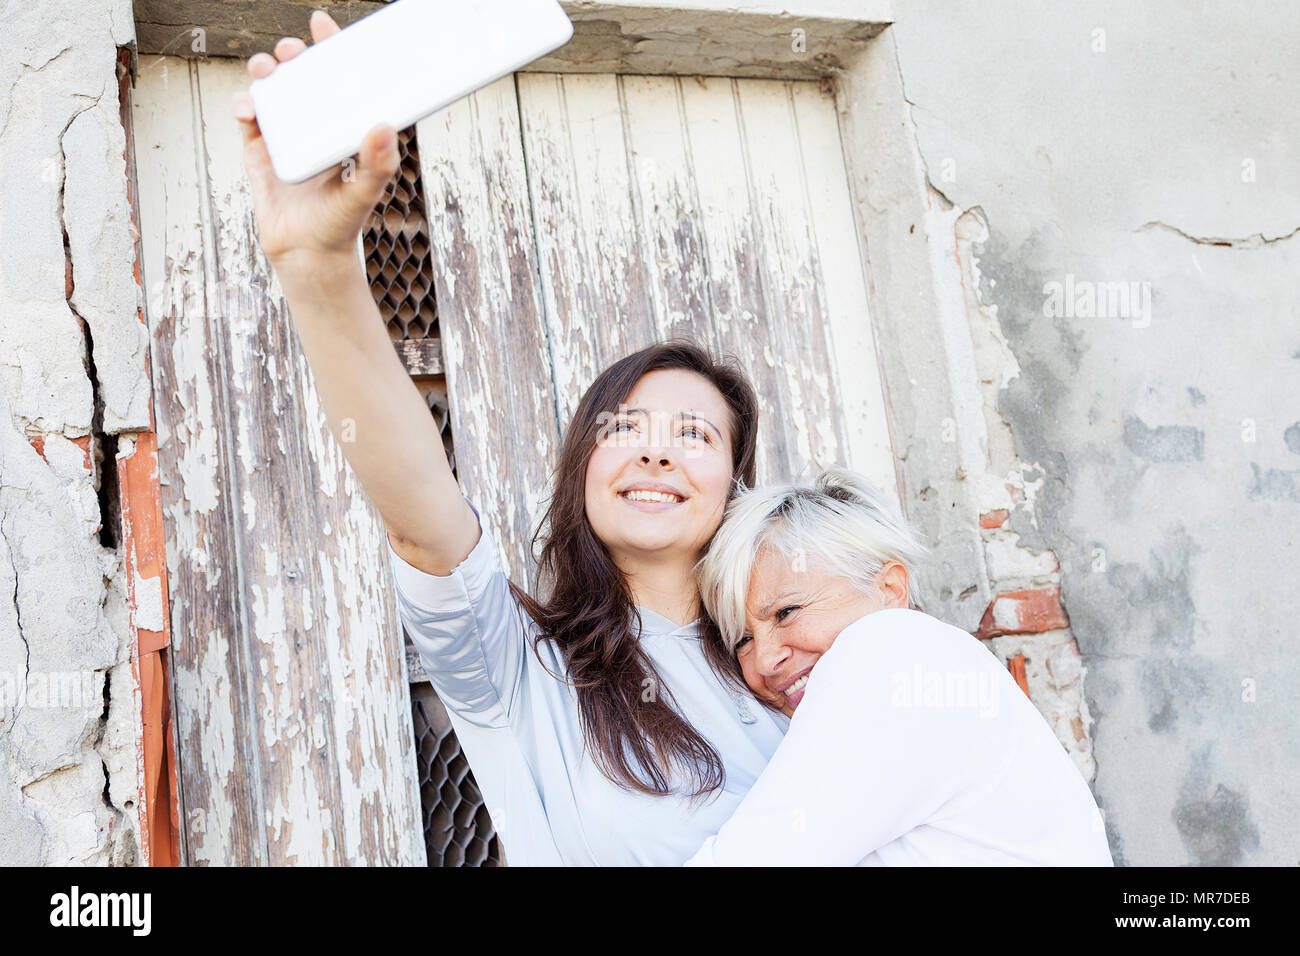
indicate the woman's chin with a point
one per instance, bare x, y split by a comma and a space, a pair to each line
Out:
779, 701
658, 533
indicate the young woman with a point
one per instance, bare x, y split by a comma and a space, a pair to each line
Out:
909, 743
598, 719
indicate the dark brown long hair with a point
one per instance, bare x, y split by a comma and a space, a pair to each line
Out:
636, 739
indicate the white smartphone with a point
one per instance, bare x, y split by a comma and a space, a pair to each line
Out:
395, 66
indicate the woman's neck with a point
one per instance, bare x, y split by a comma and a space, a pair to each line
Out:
667, 588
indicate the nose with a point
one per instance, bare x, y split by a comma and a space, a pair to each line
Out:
658, 445
770, 652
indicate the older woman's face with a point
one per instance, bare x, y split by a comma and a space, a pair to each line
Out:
792, 617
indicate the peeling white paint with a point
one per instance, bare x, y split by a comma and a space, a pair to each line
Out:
148, 610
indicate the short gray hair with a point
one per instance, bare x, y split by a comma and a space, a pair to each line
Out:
841, 524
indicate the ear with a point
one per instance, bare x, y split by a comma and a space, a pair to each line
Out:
892, 583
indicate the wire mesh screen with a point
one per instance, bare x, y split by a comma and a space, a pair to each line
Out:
398, 254
435, 396
457, 828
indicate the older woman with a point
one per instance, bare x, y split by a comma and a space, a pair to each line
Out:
908, 742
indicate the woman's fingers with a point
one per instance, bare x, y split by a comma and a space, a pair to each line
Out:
286, 48
241, 106
379, 158
261, 64
255, 153
257, 161
322, 26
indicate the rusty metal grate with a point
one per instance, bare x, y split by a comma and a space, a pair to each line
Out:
399, 266
398, 251
435, 396
457, 828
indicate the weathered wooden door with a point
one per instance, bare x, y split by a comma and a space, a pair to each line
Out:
292, 717
578, 217
574, 218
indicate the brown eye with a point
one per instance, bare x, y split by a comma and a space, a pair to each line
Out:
742, 642
781, 615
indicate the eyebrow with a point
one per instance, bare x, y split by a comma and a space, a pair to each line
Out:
643, 411
766, 612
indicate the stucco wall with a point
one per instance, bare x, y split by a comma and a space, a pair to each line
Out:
1164, 443
72, 365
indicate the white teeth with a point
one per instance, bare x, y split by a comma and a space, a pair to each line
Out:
650, 496
797, 684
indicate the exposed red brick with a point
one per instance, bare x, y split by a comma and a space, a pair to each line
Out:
994, 519
1071, 647
84, 442
38, 442
1017, 667
67, 280
1023, 612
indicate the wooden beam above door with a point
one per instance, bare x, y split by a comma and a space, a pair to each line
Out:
683, 38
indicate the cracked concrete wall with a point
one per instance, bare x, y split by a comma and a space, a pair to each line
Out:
74, 375
1139, 451
1123, 198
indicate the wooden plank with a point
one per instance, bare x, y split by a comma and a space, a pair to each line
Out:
320, 668
220, 810
610, 37
685, 141
414, 668
279, 570
598, 296
738, 288
670, 232
420, 356
792, 275
341, 757
490, 315
847, 320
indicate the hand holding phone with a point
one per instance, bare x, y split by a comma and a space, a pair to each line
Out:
322, 215
318, 106
396, 65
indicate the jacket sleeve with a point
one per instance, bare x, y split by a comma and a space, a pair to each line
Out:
468, 629
864, 760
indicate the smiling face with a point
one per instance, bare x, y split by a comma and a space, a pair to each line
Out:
792, 617
658, 480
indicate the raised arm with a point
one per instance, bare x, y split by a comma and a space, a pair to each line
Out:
309, 232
